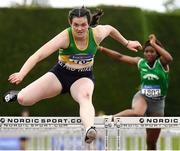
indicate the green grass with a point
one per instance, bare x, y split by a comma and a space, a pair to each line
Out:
112, 143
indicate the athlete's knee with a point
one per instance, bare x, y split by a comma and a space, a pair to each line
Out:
22, 100
138, 112
84, 97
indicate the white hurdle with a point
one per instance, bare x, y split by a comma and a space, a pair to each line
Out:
67, 133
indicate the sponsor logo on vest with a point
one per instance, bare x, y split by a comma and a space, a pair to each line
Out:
81, 58
151, 77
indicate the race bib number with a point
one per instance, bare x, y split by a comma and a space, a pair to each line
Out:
151, 91
81, 58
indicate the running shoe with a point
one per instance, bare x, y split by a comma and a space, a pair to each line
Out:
10, 96
90, 135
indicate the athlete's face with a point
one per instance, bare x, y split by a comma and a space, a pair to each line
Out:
150, 54
80, 26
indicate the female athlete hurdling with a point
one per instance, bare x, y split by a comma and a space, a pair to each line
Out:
73, 73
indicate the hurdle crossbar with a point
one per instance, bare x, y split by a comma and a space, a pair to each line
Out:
119, 122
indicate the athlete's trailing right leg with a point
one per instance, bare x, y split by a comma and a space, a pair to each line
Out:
45, 87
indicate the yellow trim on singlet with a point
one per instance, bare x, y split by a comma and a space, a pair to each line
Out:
94, 33
68, 37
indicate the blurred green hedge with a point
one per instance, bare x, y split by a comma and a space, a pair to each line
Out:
23, 31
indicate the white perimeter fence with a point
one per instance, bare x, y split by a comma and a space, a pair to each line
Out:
67, 133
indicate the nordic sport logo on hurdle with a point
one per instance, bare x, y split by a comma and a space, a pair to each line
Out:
147, 122
122, 122
40, 120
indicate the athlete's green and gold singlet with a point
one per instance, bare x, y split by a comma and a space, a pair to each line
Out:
154, 81
74, 55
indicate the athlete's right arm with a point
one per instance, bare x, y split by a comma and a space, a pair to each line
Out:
59, 41
118, 56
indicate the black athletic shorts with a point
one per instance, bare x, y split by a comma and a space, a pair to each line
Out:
67, 76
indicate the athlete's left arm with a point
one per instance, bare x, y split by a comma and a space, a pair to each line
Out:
103, 31
165, 56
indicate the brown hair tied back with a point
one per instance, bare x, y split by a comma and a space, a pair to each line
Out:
96, 17
93, 19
